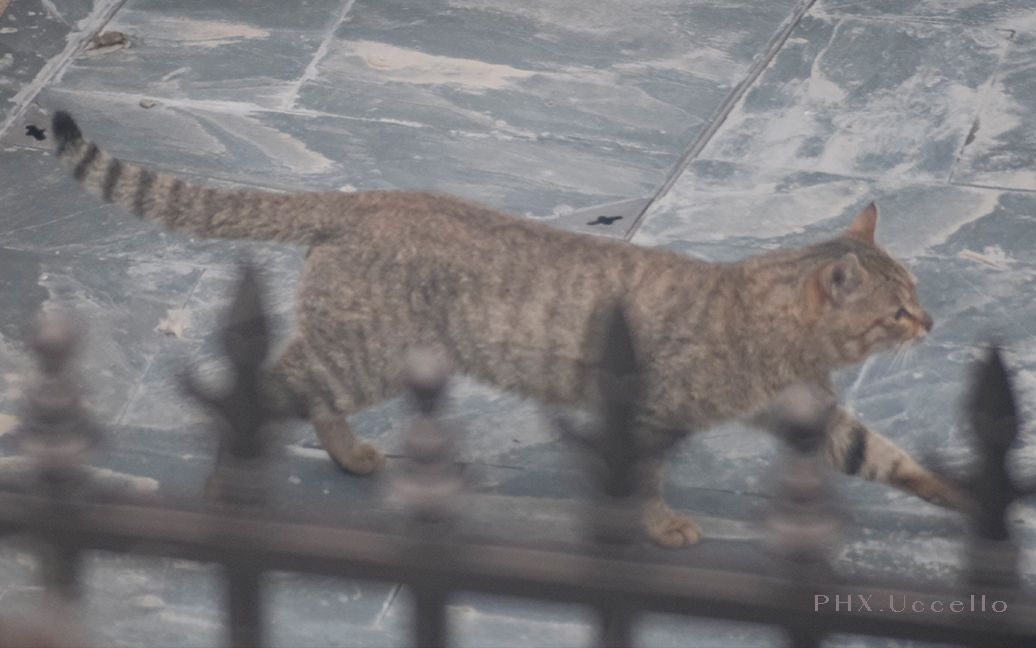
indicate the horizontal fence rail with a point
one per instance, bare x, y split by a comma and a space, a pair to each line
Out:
59, 505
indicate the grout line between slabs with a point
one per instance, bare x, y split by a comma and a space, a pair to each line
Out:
724, 110
52, 11
983, 101
979, 185
387, 605
125, 409
291, 98
56, 65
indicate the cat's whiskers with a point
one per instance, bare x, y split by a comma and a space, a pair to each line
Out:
889, 366
905, 356
902, 358
911, 356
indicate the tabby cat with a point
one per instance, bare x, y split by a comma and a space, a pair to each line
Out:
509, 300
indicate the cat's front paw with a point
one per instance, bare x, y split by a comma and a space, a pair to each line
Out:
363, 459
668, 529
945, 495
678, 531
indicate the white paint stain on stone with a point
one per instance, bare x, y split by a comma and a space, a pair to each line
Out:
11, 381
203, 33
16, 468
21, 468
991, 255
189, 620
275, 144
175, 322
124, 481
408, 65
147, 602
175, 73
8, 423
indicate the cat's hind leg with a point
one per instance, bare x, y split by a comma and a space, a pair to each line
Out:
661, 523
297, 385
336, 436
284, 383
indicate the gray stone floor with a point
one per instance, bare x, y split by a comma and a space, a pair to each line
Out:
740, 125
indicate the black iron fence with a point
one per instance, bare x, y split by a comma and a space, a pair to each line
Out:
59, 505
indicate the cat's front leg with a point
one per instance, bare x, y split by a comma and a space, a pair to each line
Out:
661, 523
855, 449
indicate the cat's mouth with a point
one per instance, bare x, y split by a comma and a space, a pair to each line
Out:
919, 333
921, 324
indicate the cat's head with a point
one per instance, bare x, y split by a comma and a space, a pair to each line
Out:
864, 300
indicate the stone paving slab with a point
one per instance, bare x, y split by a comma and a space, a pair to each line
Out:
535, 109
1007, 14
32, 32
670, 631
869, 98
625, 79
502, 622
133, 601
109, 295
1001, 148
326, 152
247, 52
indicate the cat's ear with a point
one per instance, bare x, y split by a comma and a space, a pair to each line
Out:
841, 278
863, 226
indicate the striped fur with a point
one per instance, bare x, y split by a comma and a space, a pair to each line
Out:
209, 212
858, 450
509, 301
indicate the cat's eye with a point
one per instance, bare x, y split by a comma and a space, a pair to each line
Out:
901, 313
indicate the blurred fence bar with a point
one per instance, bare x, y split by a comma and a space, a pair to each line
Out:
240, 534
429, 490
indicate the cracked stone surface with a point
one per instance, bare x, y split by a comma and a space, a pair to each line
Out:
567, 112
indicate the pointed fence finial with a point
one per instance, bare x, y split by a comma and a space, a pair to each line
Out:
804, 520
995, 428
58, 434
429, 484
616, 454
245, 336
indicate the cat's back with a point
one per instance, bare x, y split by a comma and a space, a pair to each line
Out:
439, 227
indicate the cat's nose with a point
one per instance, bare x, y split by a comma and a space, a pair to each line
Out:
926, 322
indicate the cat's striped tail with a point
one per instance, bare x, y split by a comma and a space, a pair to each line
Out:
209, 212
